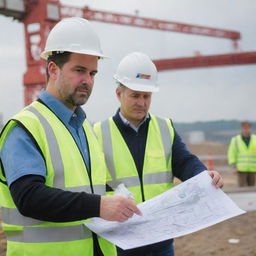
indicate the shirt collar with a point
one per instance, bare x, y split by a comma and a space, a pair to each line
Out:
126, 122
61, 110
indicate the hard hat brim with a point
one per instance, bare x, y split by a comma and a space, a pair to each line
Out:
142, 88
45, 54
137, 87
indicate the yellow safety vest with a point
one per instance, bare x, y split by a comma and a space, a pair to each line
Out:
243, 157
65, 170
157, 167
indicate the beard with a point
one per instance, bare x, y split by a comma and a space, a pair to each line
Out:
79, 96
76, 98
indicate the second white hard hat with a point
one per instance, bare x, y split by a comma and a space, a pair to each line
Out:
137, 72
72, 35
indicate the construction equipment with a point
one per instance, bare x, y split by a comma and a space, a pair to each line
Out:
240, 58
39, 16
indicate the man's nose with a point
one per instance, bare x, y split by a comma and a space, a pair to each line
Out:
88, 79
141, 101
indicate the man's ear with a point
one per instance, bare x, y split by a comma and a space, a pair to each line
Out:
118, 93
53, 70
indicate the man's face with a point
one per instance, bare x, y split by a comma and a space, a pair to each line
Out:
134, 104
74, 81
246, 129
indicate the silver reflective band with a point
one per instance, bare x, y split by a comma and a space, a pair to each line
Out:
54, 149
99, 189
246, 162
13, 217
127, 181
108, 150
166, 138
158, 178
246, 156
49, 234
85, 188
236, 144
148, 179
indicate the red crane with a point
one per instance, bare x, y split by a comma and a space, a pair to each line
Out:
240, 58
39, 16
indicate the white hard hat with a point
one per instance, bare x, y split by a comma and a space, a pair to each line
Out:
137, 72
72, 35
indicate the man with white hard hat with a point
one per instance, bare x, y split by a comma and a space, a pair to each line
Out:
52, 172
143, 151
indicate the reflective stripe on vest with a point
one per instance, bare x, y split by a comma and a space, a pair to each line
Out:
12, 216
236, 144
246, 162
166, 138
50, 234
54, 149
48, 132
246, 156
98, 189
57, 159
149, 178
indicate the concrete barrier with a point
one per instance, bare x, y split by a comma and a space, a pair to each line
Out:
244, 197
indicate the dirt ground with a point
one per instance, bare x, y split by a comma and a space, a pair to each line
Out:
213, 241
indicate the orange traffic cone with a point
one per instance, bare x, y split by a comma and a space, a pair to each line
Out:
210, 164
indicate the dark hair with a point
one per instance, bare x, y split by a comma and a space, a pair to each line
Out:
245, 123
59, 58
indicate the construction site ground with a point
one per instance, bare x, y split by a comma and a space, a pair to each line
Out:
214, 240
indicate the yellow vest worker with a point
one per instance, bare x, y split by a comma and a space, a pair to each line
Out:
157, 174
242, 155
66, 170
52, 170
142, 151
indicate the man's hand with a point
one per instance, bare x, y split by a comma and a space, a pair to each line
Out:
216, 179
117, 208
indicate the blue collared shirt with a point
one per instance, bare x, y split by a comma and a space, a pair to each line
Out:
20, 155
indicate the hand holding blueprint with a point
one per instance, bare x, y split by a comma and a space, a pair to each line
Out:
190, 206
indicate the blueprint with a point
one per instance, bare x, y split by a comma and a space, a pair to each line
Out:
188, 207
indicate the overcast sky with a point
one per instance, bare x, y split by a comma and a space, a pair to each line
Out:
185, 95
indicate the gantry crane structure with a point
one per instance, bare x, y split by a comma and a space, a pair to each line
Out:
39, 16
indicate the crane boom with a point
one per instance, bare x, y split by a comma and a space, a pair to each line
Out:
142, 22
242, 58
39, 16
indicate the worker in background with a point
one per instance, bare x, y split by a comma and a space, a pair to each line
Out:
242, 155
143, 151
53, 174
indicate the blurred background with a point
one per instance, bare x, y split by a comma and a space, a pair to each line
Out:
205, 52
